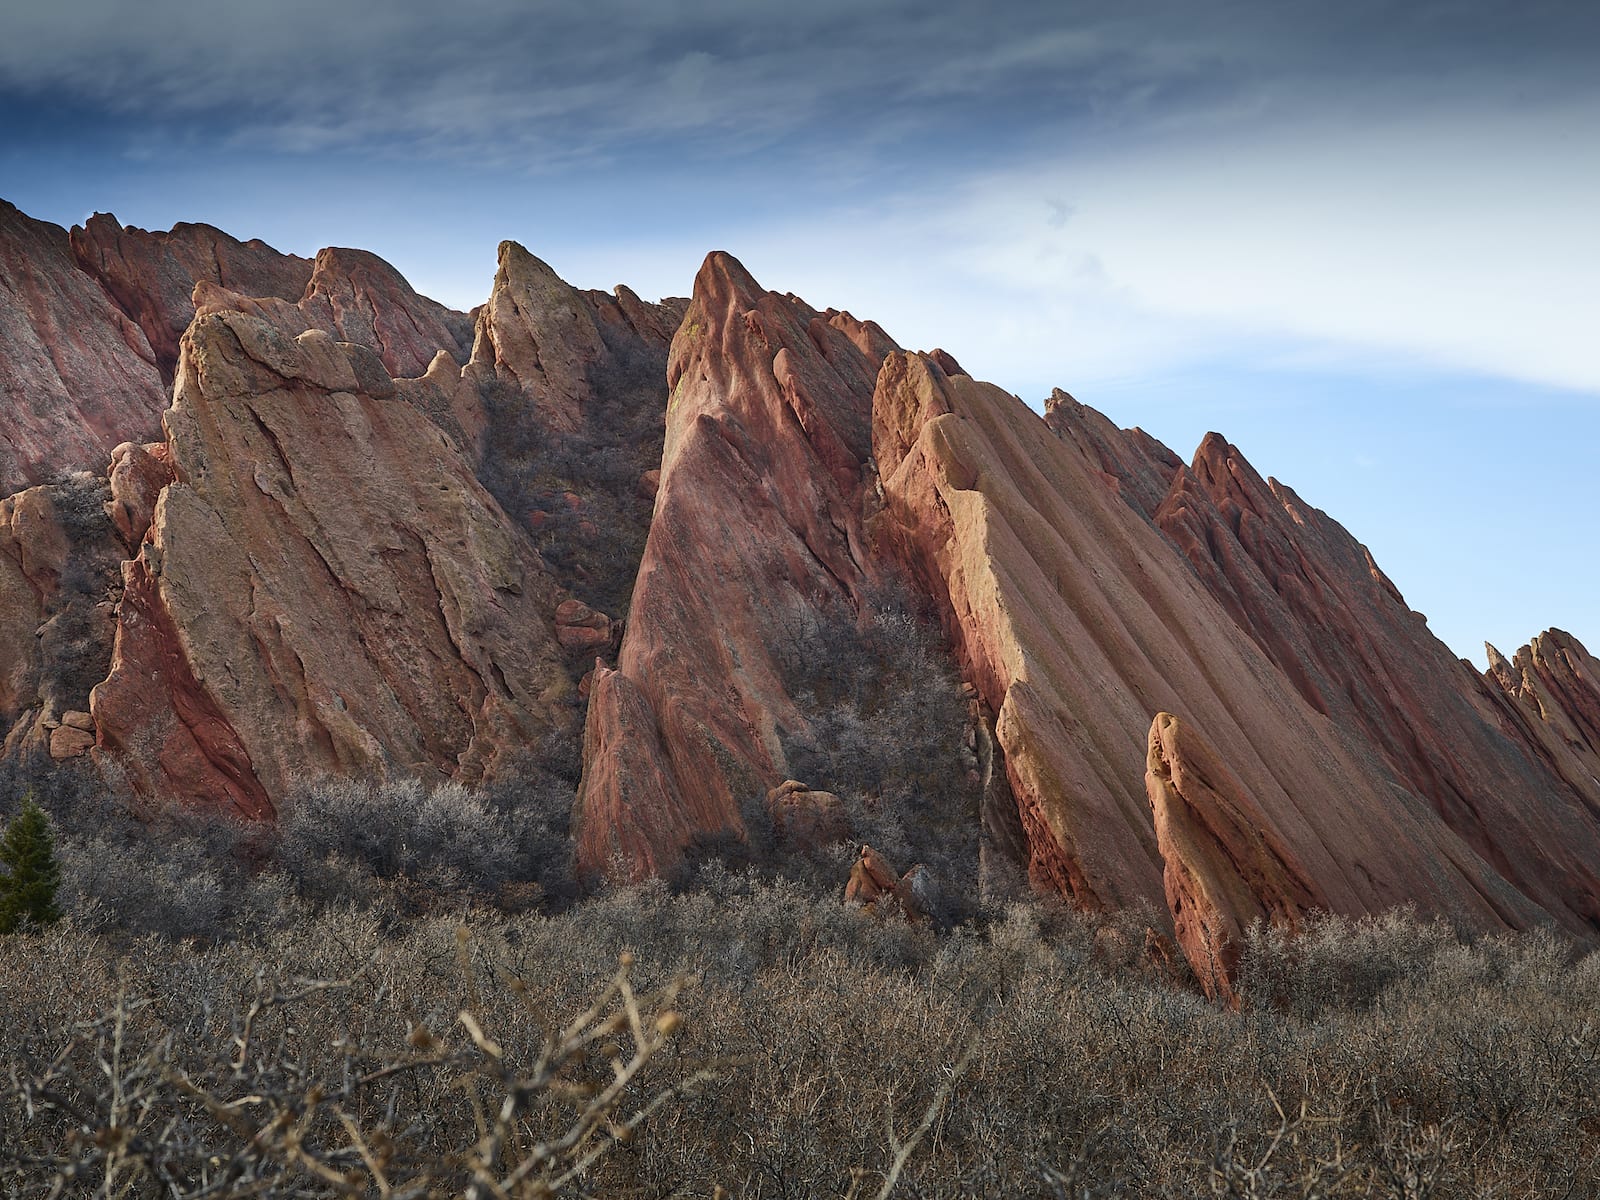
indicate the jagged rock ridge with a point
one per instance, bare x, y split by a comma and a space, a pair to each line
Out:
380, 536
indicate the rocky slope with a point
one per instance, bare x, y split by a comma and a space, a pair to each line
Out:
376, 536
307, 573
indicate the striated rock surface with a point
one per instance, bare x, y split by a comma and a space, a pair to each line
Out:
1078, 623
76, 376
757, 527
357, 297
325, 587
1225, 865
1554, 685
152, 276
1311, 597
564, 403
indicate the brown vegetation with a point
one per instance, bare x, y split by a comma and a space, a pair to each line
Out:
1049, 1055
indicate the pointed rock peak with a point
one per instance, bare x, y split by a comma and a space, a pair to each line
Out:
1058, 398
946, 362
1215, 448
723, 275
517, 263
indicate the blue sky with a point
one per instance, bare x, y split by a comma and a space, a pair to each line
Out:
1361, 240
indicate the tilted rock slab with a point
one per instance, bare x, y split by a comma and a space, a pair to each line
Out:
1078, 623
1224, 865
326, 586
76, 375
757, 524
1552, 687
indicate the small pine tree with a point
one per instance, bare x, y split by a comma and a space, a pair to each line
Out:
29, 875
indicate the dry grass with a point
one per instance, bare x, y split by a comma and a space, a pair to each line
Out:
821, 1053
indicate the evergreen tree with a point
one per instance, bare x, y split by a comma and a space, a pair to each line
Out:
29, 875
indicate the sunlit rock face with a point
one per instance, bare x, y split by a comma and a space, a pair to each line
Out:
324, 587
151, 276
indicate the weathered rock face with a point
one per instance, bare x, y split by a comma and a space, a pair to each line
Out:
757, 525
1225, 864
1554, 685
151, 276
1078, 624
325, 587
537, 333
878, 887
803, 819
564, 402
357, 297
76, 376
1311, 597
59, 559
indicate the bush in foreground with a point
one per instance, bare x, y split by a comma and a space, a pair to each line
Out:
1038, 1057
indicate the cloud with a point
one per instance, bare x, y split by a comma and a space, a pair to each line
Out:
729, 77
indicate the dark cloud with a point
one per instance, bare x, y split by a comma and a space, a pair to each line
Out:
562, 82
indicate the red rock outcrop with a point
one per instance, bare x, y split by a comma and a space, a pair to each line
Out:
563, 402
325, 587
1553, 684
1311, 597
878, 887
151, 275
1225, 866
757, 525
805, 819
1078, 623
59, 559
538, 333
357, 297
138, 475
76, 376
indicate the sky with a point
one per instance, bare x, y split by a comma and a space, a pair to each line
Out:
1362, 240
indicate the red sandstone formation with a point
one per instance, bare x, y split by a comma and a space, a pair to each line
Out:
1312, 599
804, 819
151, 276
540, 334
1078, 623
326, 587
1185, 684
357, 297
76, 376
58, 565
1553, 684
1225, 864
757, 524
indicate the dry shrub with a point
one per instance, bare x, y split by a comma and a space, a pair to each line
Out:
1473, 1070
